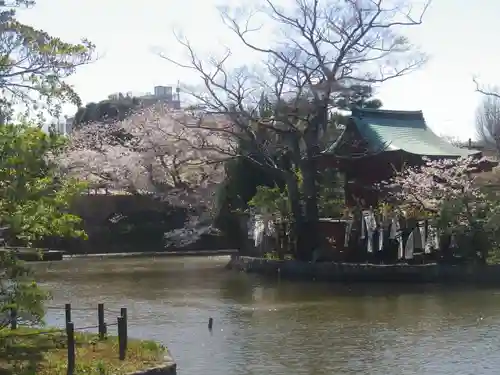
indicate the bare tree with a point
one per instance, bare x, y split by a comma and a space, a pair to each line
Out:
455, 141
488, 120
322, 50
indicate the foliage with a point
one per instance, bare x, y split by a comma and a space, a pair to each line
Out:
34, 65
271, 201
331, 195
19, 291
445, 191
34, 203
44, 352
111, 109
361, 96
275, 200
232, 196
34, 198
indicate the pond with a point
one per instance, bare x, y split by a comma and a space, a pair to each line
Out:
264, 326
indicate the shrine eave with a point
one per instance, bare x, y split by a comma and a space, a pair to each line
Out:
407, 131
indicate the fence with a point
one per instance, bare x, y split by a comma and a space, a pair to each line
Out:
70, 329
102, 327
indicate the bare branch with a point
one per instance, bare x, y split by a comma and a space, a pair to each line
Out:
493, 92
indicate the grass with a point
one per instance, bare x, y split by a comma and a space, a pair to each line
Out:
27, 352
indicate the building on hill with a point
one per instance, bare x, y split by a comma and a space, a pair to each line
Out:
161, 94
164, 95
118, 106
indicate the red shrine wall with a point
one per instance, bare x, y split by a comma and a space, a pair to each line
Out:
363, 173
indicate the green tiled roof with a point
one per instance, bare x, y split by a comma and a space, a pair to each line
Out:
401, 130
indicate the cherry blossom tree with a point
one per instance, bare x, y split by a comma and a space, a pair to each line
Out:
446, 192
425, 188
154, 152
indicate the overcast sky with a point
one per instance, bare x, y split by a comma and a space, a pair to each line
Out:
461, 38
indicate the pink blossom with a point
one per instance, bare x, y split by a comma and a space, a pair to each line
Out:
444, 190
171, 154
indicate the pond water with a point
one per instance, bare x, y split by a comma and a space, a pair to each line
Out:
264, 326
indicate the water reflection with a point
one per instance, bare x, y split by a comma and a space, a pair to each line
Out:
264, 326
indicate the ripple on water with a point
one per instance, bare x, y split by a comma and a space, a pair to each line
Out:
270, 327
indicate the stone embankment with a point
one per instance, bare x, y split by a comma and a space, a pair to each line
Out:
349, 272
169, 367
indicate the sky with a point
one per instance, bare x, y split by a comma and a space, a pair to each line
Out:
459, 37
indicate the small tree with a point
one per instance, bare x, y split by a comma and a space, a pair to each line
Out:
34, 203
34, 196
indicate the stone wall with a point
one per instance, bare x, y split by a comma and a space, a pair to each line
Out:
349, 272
167, 368
155, 218
96, 209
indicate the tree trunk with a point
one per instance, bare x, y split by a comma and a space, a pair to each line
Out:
310, 229
297, 216
309, 171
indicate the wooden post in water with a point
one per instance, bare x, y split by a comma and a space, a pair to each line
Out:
13, 318
70, 333
67, 312
123, 313
121, 342
100, 321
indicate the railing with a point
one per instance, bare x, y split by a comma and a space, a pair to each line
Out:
70, 330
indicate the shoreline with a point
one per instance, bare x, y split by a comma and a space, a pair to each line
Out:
368, 273
143, 357
157, 254
46, 255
